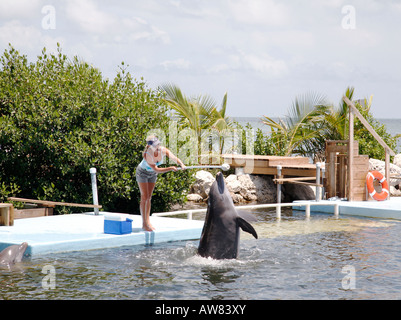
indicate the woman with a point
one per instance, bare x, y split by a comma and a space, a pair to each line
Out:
146, 175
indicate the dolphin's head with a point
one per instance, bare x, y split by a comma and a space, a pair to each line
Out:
218, 192
221, 185
218, 186
21, 251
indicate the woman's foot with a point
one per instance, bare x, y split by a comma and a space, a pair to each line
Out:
148, 227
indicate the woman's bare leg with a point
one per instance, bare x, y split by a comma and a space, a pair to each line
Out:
145, 205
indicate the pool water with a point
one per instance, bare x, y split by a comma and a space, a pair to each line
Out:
319, 258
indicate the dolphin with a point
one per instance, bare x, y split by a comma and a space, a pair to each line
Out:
220, 234
12, 254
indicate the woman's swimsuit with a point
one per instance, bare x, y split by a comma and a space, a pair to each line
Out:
145, 165
145, 173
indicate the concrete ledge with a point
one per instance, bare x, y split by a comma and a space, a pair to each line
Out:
77, 232
390, 209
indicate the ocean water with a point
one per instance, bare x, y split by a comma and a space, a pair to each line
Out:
320, 258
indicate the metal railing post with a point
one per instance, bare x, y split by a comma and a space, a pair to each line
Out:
336, 210
317, 181
278, 208
278, 211
307, 211
279, 184
94, 189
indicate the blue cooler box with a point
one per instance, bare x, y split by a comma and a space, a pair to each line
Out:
118, 227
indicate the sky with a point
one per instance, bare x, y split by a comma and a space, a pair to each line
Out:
263, 53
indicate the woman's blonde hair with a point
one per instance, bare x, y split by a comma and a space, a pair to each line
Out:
154, 141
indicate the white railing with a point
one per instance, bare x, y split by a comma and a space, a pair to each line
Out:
278, 207
175, 213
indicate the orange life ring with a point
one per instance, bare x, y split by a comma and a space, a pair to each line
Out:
376, 175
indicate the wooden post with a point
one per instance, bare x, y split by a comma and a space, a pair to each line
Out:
353, 110
387, 169
350, 155
317, 181
6, 214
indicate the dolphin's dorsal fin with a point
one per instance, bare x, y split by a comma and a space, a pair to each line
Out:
245, 226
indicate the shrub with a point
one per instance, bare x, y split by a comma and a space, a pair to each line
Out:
59, 117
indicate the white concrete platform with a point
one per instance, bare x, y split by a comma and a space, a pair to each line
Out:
77, 232
390, 209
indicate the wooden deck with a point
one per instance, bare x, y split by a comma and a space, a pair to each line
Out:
267, 165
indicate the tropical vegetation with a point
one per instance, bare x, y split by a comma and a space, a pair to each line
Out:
202, 116
312, 120
59, 117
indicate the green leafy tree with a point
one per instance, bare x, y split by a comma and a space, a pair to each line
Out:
59, 117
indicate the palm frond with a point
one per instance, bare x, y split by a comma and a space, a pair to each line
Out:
199, 113
273, 124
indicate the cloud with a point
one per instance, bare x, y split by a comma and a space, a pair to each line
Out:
194, 8
111, 27
259, 12
137, 28
19, 8
221, 45
89, 17
262, 65
17, 34
180, 64
20, 36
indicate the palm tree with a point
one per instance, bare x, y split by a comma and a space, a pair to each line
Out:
336, 119
302, 125
222, 123
312, 121
199, 113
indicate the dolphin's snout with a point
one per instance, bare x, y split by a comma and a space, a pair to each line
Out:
220, 182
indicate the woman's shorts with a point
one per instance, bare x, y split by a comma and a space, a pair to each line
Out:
144, 176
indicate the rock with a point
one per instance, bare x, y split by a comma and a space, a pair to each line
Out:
233, 185
248, 188
243, 188
397, 160
293, 192
237, 198
194, 197
265, 189
203, 182
379, 165
395, 192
